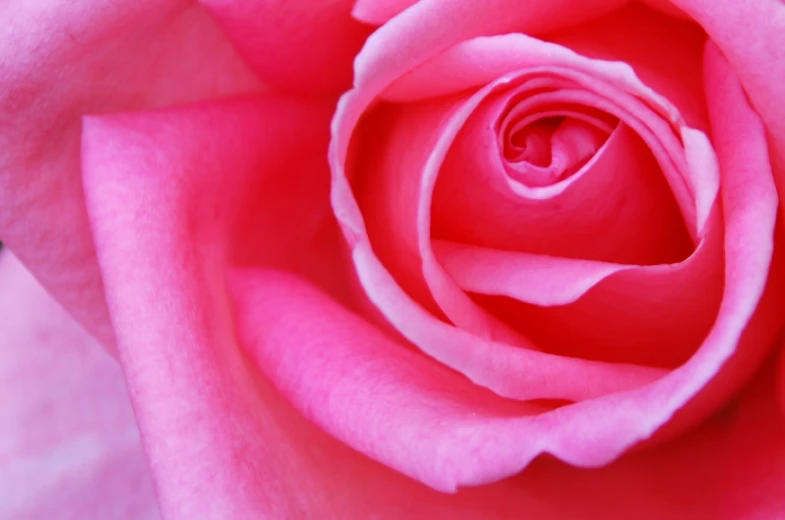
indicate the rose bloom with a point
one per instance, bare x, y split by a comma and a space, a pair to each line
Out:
392, 259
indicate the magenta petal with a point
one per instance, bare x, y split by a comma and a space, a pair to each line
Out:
751, 35
220, 442
386, 401
431, 26
634, 34
172, 196
741, 335
594, 310
60, 60
378, 12
69, 446
298, 46
533, 278
754, 272
732, 466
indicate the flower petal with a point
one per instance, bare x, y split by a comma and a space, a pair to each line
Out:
431, 26
634, 34
60, 60
730, 467
296, 46
753, 243
173, 196
751, 35
377, 12
746, 325
69, 446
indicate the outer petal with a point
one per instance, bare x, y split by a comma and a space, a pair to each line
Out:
732, 467
421, 419
752, 37
173, 197
69, 446
60, 60
430, 26
379, 11
300, 46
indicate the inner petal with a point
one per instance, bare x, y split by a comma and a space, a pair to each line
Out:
549, 149
608, 199
531, 143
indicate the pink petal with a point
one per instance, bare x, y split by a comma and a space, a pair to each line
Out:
377, 12
483, 60
750, 472
60, 60
476, 201
386, 401
549, 156
619, 313
551, 280
391, 181
172, 197
753, 242
635, 224
752, 37
634, 35
731, 467
431, 26
421, 32
69, 446
176, 338
507, 369
749, 211
300, 46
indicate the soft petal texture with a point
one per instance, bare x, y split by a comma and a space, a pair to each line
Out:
60, 60
172, 197
752, 37
634, 34
731, 467
297, 46
393, 175
748, 198
618, 207
612, 312
430, 26
379, 11
389, 403
731, 350
69, 446
637, 221
481, 60
393, 179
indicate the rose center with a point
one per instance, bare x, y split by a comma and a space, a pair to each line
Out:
541, 150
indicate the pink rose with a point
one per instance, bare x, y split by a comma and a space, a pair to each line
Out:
532, 269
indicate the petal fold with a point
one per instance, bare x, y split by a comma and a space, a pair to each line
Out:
59, 61
69, 445
300, 47
174, 196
